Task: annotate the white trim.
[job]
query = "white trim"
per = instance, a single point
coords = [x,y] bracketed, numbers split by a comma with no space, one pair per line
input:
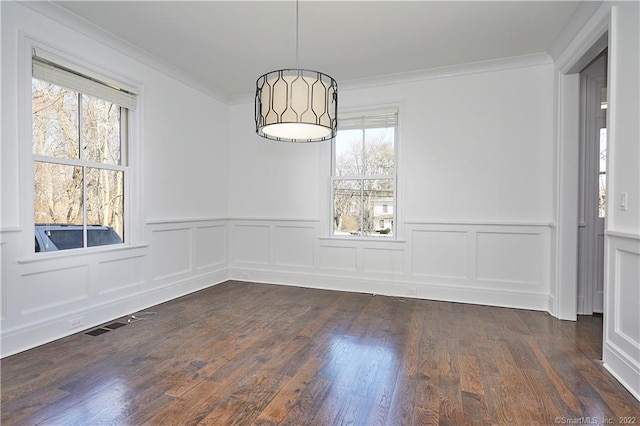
[618,234]
[584,40]
[272,219]
[374,240]
[479,67]
[79,163]
[396,287]
[618,362]
[186,220]
[80,252]
[566,197]
[564,278]
[582,14]
[11,229]
[478,223]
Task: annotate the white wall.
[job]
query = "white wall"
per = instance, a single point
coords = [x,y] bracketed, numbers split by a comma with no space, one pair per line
[270,179]
[475,193]
[180,180]
[621,351]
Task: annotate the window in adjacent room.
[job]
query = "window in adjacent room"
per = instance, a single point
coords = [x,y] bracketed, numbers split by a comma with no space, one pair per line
[80,164]
[363,178]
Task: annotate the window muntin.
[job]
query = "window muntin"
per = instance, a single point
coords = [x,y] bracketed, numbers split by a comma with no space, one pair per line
[80,168]
[364,176]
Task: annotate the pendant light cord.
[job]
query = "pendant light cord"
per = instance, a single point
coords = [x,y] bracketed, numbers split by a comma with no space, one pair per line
[297,31]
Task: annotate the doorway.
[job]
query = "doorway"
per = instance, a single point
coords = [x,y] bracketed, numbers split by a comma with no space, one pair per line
[592,186]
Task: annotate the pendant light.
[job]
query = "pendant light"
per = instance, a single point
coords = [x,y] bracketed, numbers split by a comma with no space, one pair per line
[296,105]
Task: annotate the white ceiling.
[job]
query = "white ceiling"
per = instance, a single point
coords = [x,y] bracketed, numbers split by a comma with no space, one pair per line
[227,45]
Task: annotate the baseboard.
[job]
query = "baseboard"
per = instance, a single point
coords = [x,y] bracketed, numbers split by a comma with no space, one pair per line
[551,305]
[36,334]
[622,369]
[399,288]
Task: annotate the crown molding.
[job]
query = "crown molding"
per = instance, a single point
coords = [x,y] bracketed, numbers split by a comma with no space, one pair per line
[449,71]
[75,22]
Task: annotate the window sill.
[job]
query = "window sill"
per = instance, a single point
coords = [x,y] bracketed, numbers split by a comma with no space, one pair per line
[65,254]
[362,239]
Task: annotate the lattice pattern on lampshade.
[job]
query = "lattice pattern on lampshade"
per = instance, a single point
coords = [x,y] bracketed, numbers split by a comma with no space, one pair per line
[296,105]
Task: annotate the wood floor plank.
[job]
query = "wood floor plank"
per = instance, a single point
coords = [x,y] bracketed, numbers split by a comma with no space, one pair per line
[403,401]
[287,398]
[245,353]
[470,378]
[191,407]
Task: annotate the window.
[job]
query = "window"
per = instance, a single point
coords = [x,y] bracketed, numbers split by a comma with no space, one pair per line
[80,167]
[363,180]
[602,174]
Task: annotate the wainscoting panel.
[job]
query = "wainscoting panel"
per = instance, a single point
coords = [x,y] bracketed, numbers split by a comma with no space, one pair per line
[48,289]
[250,244]
[383,260]
[294,246]
[439,253]
[514,257]
[117,275]
[171,252]
[443,261]
[338,258]
[621,349]
[210,244]
[627,318]
[52,295]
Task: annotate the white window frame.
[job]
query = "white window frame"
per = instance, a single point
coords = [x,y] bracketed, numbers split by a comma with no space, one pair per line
[397,232]
[130,152]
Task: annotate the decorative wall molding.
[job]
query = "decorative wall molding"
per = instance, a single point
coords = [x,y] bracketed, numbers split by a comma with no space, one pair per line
[621,348]
[55,296]
[480,223]
[42,292]
[625,235]
[442,261]
[173,221]
[479,67]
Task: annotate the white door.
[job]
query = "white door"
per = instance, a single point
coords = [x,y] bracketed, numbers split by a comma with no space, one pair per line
[593,169]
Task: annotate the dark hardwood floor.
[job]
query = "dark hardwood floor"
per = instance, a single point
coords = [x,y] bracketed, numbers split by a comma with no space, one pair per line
[244,353]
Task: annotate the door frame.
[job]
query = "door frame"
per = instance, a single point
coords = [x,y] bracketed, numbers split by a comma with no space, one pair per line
[592,39]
